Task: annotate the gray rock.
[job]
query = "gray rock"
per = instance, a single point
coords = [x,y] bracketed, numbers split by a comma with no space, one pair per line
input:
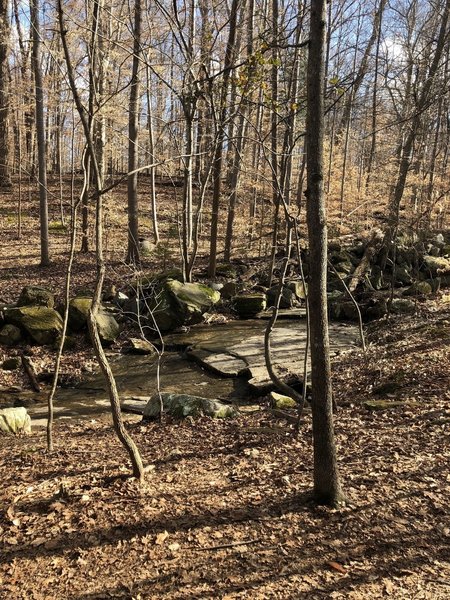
[298,288]
[139,346]
[15,420]
[41,323]
[108,327]
[181,406]
[35,295]
[403,275]
[218,361]
[175,304]
[229,290]
[10,335]
[403,306]
[288,298]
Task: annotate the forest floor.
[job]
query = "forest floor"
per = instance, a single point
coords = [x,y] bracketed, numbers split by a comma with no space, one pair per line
[224,511]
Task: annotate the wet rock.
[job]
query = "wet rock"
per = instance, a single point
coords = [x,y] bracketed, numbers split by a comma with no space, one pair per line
[41,323]
[249,305]
[11,364]
[10,335]
[15,420]
[181,406]
[35,295]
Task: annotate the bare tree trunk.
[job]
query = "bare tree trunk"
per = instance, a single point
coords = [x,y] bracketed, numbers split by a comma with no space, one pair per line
[327,487]
[5,175]
[40,131]
[151,141]
[119,426]
[218,154]
[133,129]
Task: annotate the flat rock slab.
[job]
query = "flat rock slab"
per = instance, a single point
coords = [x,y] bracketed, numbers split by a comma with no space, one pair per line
[220,362]
[246,357]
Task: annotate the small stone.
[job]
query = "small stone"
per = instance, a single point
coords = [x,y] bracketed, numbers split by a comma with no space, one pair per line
[10,335]
[139,346]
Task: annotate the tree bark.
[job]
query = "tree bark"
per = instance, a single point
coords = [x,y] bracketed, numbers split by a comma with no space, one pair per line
[327,487]
[5,175]
[133,129]
[40,131]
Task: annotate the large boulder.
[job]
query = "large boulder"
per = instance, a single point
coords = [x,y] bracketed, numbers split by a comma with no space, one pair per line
[108,327]
[15,420]
[41,323]
[181,406]
[437,265]
[174,304]
[288,298]
[10,335]
[35,295]
[78,313]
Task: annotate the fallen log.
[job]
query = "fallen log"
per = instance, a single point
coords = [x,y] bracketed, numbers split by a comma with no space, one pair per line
[373,246]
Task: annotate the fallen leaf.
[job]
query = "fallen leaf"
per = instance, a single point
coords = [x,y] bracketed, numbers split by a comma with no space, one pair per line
[161,538]
[174,547]
[337,567]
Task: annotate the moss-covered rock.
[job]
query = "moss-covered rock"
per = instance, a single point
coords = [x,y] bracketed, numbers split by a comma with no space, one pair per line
[10,335]
[281,402]
[437,265]
[249,305]
[191,300]
[419,288]
[288,298]
[41,323]
[15,420]
[181,406]
[402,306]
[35,295]
[377,405]
[226,270]
[78,313]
